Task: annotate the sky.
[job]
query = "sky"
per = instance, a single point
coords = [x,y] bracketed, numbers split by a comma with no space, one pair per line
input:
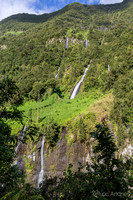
[11,7]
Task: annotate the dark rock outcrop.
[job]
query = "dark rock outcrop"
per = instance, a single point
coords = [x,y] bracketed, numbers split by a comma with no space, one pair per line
[56,160]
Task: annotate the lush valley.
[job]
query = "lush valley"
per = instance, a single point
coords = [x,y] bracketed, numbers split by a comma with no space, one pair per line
[39,71]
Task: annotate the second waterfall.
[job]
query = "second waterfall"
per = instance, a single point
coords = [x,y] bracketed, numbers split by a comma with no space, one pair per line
[40,177]
[77,87]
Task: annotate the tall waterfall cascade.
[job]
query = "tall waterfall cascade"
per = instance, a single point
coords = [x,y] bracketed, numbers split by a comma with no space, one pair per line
[66,45]
[40,177]
[108,68]
[77,87]
[57,73]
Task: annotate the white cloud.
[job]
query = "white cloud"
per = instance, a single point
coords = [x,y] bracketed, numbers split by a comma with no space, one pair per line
[90,1]
[10,7]
[110,1]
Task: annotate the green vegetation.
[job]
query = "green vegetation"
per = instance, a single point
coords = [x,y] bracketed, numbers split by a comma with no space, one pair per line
[32,48]
[11,177]
[62,110]
[51,132]
[13,33]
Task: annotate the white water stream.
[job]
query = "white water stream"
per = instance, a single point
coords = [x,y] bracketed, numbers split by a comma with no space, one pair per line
[40,177]
[76,89]
[57,73]
[127,151]
[66,45]
[108,68]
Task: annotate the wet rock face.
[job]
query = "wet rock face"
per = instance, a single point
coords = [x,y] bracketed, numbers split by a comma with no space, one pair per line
[63,155]
[21,149]
[21,164]
[56,160]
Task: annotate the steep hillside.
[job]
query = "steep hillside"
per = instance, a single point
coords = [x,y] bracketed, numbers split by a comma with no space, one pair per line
[33,48]
[46,56]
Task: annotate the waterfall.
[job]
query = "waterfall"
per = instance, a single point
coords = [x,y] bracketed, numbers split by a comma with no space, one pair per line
[34,156]
[16,149]
[76,89]
[21,138]
[88,157]
[66,45]
[40,177]
[23,133]
[57,73]
[86,43]
[127,152]
[108,68]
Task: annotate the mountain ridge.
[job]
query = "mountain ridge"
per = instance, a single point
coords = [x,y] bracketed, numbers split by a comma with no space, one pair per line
[46,16]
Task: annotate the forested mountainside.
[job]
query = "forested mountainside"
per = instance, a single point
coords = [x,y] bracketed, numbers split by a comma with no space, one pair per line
[61,74]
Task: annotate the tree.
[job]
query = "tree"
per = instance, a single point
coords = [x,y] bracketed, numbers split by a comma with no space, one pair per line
[110,175]
[8,91]
[51,131]
[123,92]
[10,176]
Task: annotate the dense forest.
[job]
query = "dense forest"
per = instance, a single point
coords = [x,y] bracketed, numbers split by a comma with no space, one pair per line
[42,59]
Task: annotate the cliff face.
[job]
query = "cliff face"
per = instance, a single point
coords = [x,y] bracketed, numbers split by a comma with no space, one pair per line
[55,161]
[68,149]
[63,155]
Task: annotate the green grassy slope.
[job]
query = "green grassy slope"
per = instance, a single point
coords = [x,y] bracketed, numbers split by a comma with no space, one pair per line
[62,110]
